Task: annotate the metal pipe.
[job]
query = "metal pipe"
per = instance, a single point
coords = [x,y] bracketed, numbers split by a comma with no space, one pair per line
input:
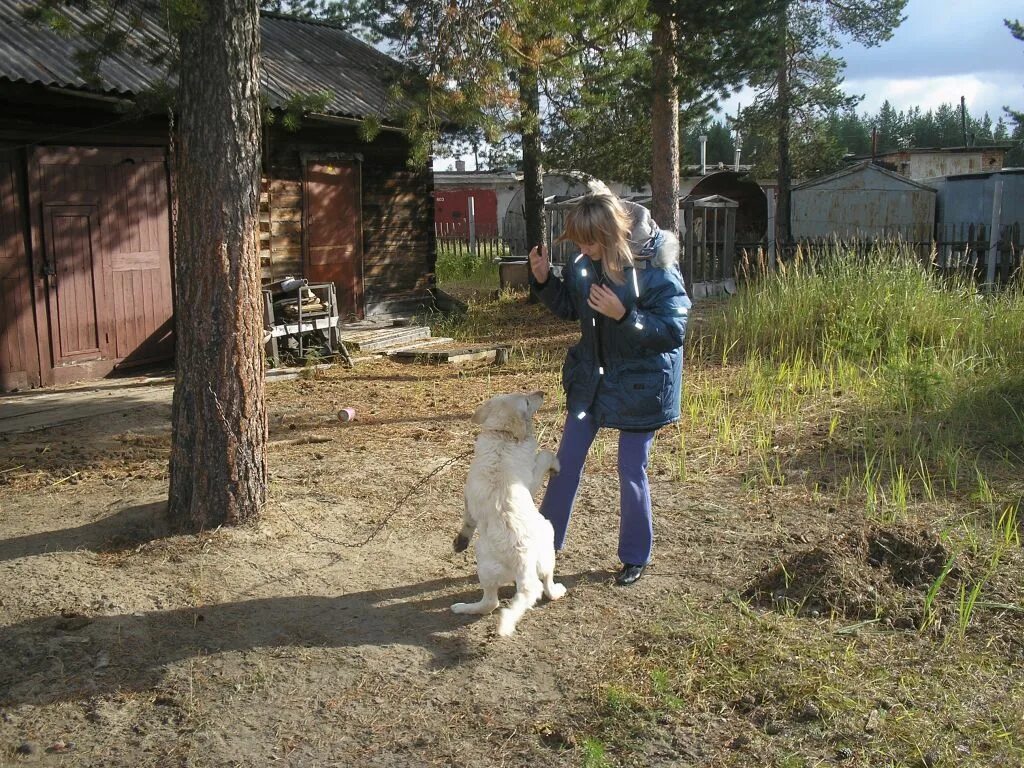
[88,95]
[338,120]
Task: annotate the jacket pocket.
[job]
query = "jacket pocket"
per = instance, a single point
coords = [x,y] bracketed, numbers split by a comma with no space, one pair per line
[643,394]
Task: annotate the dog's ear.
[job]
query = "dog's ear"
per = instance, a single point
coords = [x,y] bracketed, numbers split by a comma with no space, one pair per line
[535,400]
[480,414]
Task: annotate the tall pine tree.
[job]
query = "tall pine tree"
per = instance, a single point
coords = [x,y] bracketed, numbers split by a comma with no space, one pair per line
[218,468]
[806,81]
[716,47]
[489,63]
[624,116]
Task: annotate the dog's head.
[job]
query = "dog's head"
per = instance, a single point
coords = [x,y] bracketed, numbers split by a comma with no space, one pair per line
[510,413]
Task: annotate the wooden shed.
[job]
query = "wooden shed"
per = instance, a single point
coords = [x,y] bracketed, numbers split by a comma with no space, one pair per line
[863,201]
[86,246]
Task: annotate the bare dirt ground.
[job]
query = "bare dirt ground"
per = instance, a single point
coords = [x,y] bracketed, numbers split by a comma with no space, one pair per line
[322,635]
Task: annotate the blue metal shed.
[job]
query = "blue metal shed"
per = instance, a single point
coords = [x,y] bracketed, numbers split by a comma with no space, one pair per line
[967,199]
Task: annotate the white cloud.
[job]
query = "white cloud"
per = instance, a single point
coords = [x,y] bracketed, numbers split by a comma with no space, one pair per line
[982,91]
[944,50]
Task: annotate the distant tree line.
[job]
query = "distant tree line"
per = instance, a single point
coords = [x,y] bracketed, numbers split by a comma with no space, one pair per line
[822,146]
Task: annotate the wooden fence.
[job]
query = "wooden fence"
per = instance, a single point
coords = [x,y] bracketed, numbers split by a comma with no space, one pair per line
[955,249]
[457,240]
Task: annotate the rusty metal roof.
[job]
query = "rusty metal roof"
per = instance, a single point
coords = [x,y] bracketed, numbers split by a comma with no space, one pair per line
[299,57]
[864,166]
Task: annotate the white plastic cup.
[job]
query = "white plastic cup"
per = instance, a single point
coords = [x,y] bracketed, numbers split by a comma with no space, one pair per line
[346,414]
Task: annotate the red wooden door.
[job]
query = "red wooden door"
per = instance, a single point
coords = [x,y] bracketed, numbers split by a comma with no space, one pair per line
[19,352]
[78,315]
[101,238]
[334,233]
[138,258]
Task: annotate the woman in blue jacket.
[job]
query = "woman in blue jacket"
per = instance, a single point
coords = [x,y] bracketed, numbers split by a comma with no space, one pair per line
[625,372]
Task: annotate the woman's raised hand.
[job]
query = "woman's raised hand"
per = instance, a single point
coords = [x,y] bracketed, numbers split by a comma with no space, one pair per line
[539,264]
[603,299]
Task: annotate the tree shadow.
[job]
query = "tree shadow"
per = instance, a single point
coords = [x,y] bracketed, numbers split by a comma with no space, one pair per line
[65,658]
[125,529]
[282,425]
[41,411]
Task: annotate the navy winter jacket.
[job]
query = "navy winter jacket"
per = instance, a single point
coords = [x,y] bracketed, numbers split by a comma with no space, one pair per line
[626,374]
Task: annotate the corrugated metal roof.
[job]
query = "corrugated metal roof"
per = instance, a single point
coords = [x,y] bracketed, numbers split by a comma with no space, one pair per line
[865,166]
[32,53]
[298,58]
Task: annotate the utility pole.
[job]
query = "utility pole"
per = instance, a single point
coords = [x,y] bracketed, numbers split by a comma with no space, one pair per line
[963,120]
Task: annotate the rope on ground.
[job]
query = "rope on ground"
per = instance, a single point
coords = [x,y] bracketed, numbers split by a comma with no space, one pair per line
[387,518]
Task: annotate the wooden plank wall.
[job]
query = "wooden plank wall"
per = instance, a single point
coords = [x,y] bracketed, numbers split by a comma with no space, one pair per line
[398,232]
[397,213]
[281,224]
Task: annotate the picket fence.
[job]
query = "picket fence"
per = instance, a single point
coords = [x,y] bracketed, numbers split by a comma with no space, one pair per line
[712,257]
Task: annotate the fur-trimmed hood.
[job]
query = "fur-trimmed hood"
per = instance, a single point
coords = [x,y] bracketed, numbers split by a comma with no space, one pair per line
[647,241]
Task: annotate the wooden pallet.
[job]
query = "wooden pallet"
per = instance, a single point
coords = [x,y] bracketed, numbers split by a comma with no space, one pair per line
[379,339]
[432,341]
[456,356]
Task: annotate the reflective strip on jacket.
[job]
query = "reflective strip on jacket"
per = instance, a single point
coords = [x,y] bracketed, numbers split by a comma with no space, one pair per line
[626,374]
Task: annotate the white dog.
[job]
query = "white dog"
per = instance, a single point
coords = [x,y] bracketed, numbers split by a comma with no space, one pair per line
[516,543]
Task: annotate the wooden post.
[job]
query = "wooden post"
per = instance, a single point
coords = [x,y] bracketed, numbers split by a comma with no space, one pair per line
[993,236]
[771,230]
[688,255]
[730,245]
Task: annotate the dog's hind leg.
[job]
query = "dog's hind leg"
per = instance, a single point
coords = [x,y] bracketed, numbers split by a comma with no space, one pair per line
[487,603]
[546,572]
[528,592]
[552,590]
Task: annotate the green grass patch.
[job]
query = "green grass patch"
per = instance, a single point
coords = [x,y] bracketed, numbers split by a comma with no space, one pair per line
[870,388]
[776,689]
[881,310]
[462,271]
[868,373]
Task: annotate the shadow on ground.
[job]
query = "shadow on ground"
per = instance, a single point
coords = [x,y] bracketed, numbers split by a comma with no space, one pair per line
[65,658]
[120,531]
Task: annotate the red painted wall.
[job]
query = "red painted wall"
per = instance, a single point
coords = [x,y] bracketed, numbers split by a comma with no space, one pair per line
[451,211]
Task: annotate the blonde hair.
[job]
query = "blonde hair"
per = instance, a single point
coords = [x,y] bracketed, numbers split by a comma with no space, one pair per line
[600,219]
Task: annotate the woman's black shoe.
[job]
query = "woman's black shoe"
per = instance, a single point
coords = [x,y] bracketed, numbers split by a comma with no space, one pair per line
[629,574]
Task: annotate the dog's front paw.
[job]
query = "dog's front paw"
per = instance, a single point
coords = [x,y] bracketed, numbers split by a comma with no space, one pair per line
[461,542]
[462,607]
[551,460]
[557,591]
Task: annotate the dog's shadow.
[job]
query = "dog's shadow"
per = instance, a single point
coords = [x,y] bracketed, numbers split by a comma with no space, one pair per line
[62,658]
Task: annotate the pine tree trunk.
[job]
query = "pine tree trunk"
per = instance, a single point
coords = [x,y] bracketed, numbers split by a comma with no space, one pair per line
[218,472]
[665,122]
[783,232]
[533,171]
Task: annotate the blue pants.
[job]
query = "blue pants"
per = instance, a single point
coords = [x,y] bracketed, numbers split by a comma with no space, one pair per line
[636,528]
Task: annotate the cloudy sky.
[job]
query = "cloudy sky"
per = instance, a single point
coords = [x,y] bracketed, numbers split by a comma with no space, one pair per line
[944,50]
